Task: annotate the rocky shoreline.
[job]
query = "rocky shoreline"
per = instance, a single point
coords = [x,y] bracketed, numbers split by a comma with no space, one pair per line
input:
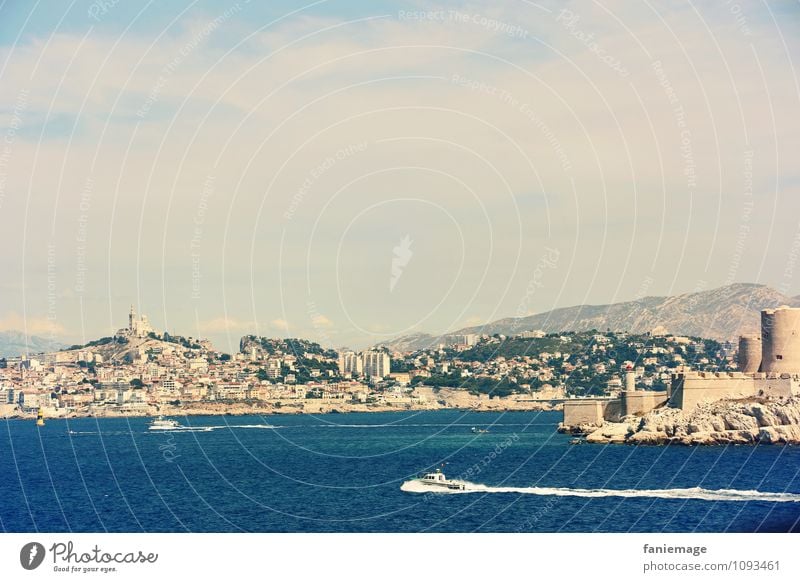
[748,421]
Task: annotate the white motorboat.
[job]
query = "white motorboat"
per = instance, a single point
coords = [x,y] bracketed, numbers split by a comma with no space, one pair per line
[162,423]
[436,479]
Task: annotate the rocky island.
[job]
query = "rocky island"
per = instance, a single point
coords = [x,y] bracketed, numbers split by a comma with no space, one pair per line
[726,422]
[758,403]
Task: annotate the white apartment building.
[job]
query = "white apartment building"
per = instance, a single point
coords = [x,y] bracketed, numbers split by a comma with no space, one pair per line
[377,364]
[461,339]
[351,363]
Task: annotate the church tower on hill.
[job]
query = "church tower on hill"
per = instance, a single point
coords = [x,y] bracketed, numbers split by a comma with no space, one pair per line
[137,327]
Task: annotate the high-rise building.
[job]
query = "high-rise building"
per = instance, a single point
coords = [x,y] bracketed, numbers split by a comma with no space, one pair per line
[461,339]
[350,363]
[377,364]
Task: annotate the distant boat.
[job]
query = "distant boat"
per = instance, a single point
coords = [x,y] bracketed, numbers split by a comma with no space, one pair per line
[162,423]
[40,418]
[479,430]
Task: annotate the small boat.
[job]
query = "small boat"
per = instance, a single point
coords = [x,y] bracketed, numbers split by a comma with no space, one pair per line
[40,418]
[162,423]
[479,430]
[576,441]
[436,479]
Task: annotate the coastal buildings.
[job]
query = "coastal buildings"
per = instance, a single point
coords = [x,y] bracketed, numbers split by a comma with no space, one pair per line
[463,340]
[532,334]
[128,374]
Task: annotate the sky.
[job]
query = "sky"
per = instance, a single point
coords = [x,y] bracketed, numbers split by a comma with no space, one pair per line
[349,172]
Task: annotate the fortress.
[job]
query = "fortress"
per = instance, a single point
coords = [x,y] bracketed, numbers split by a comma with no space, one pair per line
[769,367]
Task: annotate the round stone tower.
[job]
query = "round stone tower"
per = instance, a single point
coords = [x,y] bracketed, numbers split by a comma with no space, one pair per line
[749,353]
[630,379]
[780,333]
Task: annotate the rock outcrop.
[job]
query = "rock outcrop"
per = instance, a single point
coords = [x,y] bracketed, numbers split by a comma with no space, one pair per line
[747,422]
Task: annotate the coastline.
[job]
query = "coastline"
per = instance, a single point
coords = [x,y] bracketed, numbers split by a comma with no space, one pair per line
[745,421]
[309,406]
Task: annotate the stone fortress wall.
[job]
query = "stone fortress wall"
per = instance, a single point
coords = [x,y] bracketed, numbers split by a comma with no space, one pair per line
[769,367]
[690,388]
[585,411]
[641,401]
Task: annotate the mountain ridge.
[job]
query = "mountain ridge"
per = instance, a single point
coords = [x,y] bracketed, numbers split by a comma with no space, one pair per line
[16,343]
[721,313]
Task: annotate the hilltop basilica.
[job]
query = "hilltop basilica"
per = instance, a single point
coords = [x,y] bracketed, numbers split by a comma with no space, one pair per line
[136,327]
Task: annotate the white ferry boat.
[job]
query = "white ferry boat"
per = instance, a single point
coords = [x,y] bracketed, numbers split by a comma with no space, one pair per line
[436,479]
[162,423]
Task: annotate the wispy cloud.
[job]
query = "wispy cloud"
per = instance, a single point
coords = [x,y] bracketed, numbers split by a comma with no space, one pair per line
[321,321]
[32,325]
[221,325]
[280,324]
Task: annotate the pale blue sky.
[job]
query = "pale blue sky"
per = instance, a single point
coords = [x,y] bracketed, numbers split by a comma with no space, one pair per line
[238,168]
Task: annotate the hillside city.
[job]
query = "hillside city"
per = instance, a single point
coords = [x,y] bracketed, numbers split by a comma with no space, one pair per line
[140,371]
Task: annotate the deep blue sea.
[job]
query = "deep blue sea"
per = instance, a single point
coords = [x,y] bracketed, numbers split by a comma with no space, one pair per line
[343,473]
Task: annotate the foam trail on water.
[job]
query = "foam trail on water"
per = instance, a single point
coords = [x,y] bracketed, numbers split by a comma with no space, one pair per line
[448,424]
[247,426]
[414,486]
[199,428]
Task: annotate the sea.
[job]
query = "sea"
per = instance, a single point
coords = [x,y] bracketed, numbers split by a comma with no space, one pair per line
[354,472]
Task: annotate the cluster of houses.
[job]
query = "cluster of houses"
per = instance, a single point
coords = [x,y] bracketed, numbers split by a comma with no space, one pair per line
[139,369]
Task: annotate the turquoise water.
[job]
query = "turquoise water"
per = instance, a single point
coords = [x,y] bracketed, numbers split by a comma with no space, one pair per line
[344,472]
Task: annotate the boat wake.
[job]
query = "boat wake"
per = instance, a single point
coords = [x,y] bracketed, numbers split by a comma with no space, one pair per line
[414,486]
[439,424]
[178,429]
[264,426]
[218,427]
